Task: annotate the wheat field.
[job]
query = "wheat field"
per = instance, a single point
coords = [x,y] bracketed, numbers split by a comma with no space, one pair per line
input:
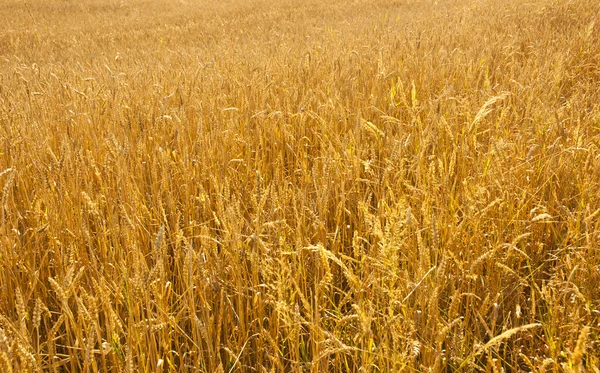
[299,186]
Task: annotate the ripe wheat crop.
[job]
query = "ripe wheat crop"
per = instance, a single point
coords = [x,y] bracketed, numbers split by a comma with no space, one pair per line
[299,186]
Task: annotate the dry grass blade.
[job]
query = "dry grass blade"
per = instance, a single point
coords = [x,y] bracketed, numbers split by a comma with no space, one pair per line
[497,340]
[486,109]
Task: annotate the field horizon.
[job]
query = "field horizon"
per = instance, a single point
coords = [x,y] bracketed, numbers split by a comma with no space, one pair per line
[299,186]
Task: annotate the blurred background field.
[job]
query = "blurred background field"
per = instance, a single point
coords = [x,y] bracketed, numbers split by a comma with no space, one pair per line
[299,186]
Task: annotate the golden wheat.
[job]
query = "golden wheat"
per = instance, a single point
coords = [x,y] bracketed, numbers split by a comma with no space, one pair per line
[298,185]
